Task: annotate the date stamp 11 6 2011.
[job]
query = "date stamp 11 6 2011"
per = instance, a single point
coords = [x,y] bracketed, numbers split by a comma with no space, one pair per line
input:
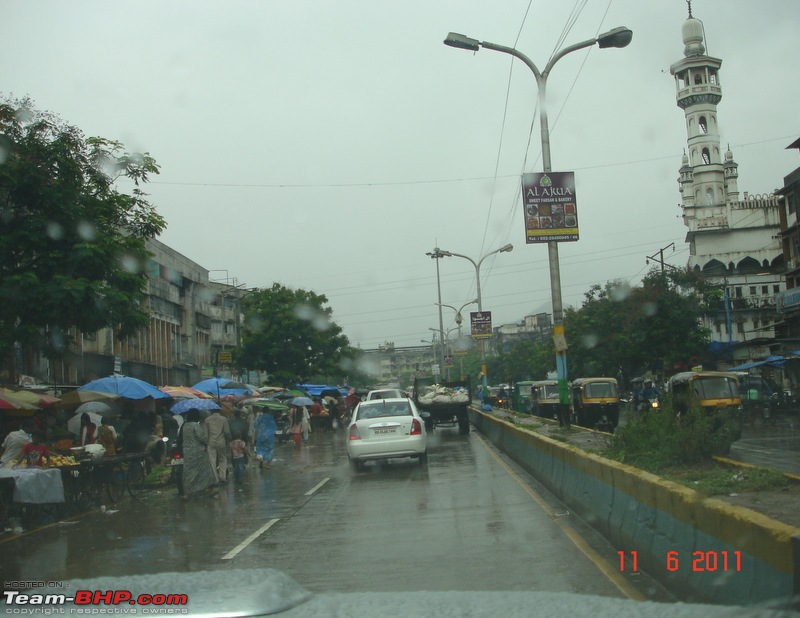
[698,562]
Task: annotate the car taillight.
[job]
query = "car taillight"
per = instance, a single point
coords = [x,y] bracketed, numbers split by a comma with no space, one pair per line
[354,435]
[416,427]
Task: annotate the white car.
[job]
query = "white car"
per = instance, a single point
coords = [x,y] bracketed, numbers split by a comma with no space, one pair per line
[385,393]
[386,429]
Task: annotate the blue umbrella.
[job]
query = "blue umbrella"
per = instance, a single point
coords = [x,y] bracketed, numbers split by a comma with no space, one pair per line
[124,386]
[302,401]
[219,387]
[185,405]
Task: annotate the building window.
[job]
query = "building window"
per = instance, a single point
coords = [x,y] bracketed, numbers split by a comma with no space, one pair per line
[776,289]
[702,124]
[740,327]
[752,290]
[765,289]
[738,292]
[706,156]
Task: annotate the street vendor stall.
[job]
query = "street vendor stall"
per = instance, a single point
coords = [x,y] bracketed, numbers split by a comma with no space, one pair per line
[34,485]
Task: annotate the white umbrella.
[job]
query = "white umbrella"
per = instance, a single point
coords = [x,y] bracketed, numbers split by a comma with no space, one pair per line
[97,407]
[74,424]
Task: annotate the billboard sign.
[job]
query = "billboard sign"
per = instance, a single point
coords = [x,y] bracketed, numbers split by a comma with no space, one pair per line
[549,207]
[480,324]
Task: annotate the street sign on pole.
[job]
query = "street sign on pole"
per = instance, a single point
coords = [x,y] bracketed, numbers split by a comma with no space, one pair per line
[225,358]
[480,324]
[550,208]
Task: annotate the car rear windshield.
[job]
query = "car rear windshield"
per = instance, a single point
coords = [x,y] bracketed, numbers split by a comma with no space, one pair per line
[384,408]
[384,395]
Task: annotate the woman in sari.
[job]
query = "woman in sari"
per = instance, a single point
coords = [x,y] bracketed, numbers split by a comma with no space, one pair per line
[265,427]
[197,471]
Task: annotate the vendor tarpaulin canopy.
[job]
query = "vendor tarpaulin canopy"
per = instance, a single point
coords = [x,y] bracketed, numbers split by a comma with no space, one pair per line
[774,361]
[263,402]
[75,398]
[7,402]
[37,399]
[124,386]
[219,387]
[184,392]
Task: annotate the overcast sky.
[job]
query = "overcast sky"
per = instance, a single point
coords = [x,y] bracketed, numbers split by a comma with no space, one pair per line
[328,145]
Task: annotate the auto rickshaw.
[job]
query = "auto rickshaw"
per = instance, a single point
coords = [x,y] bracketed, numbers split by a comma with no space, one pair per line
[716,392]
[545,399]
[595,403]
[521,398]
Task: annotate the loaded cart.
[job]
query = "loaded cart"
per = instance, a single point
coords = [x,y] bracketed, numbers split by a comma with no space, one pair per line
[443,403]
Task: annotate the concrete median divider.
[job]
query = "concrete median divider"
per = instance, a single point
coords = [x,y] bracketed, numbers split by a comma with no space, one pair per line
[700,548]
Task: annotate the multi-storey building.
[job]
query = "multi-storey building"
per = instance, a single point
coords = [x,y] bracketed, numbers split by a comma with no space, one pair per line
[193,322]
[788,301]
[388,364]
[536,327]
[733,241]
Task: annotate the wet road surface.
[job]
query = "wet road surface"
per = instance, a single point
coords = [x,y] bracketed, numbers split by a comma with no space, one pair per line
[772,445]
[470,520]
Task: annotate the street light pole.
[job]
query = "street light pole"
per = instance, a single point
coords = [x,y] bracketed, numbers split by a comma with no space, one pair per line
[437,254]
[459,319]
[618,37]
[477,265]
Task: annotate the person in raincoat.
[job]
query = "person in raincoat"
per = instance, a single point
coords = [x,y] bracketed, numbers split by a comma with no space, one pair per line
[197,471]
[265,428]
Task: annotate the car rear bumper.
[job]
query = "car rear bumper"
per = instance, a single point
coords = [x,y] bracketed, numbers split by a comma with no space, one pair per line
[410,447]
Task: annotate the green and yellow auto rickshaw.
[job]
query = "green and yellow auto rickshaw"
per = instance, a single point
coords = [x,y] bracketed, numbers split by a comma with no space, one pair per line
[595,403]
[545,399]
[521,397]
[715,392]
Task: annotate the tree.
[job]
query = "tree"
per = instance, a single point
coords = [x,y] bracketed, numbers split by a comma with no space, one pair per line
[289,334]
[72,246]
[631,329]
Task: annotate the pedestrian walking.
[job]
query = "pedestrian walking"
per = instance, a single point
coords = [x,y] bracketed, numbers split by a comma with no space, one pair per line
[238,456]
[218,434]
[197,471]
[265,428]
[305,422]
[296,424]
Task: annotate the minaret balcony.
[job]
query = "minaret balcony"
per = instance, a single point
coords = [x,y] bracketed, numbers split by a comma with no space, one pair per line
[699,94]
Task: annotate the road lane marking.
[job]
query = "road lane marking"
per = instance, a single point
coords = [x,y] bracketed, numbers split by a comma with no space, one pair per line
[317,486]
[624,586]
[232,554]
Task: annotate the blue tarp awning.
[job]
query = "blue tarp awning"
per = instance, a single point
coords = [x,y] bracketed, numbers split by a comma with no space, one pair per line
[775,361]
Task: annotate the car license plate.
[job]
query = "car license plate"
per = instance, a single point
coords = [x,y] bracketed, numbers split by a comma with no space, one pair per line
[279,432]
[385,431]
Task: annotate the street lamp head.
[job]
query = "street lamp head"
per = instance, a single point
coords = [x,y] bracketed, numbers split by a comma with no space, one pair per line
[506,248]
[618,37]
[454,39]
